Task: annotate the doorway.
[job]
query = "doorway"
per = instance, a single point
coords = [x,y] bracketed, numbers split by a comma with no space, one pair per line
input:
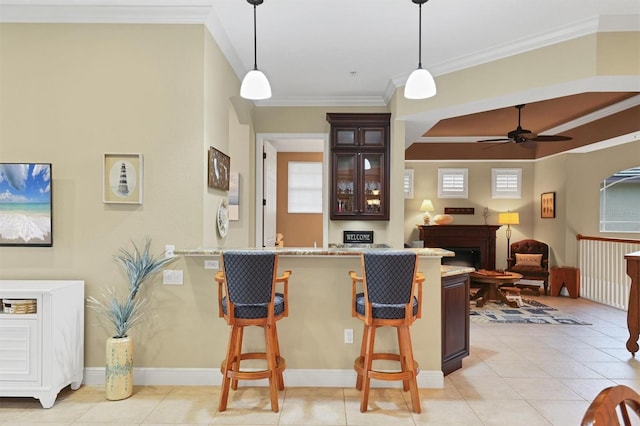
[266,181]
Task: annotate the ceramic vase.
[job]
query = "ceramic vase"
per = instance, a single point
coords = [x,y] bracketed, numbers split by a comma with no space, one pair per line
[119,368]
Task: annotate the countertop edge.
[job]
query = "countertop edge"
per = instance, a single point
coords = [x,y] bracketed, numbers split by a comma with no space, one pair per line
[320,252]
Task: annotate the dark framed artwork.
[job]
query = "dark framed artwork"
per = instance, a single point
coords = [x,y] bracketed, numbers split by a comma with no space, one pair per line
[26,215]
[218,170]
[548,205]
[122,179]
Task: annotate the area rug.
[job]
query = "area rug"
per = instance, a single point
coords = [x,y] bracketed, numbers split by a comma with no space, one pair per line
[531,312]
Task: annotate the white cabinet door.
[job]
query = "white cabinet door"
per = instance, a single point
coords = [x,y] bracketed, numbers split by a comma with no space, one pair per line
[19,349]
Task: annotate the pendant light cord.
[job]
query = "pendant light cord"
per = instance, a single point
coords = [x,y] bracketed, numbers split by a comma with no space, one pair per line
[420,35]
[255,40]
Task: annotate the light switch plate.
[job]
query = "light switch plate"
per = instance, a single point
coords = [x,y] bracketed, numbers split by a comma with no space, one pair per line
[172,277]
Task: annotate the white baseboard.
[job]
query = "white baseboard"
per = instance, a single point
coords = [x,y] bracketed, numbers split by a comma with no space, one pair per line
[293,378]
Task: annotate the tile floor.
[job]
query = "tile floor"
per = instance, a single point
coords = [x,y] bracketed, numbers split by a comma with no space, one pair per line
[515,375]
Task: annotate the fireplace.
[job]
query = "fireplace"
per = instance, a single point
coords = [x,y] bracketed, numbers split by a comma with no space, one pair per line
[464,239]
[465,256]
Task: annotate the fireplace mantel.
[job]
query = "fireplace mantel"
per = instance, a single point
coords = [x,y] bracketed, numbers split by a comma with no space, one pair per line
[454,236]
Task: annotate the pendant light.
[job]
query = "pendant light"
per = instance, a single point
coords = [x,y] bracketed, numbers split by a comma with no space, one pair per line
[255,85]
[420,84]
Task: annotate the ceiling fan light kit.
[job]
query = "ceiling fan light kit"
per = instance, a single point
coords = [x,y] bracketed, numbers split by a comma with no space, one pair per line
[526,137]
[420,84]
[255,85]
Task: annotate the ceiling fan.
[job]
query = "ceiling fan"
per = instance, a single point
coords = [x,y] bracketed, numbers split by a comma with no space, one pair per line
[527,137]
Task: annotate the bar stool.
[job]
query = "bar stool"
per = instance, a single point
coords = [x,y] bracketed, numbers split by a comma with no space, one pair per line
[391,296]
[247,297]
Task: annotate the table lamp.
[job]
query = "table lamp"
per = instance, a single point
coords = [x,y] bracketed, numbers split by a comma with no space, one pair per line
[509,218]
[426,207]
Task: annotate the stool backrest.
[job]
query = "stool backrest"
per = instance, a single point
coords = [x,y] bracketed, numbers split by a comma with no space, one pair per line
[389,276]
[250,276]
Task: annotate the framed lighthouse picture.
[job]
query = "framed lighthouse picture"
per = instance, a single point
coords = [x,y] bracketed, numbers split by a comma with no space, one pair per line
[122,179]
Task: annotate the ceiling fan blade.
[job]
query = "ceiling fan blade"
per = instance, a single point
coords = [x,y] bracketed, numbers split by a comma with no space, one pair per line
[496,140]
[551,138]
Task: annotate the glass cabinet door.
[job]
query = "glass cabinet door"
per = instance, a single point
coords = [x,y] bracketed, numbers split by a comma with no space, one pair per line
[373,198]
[345,184]
[372,137]
[345,137]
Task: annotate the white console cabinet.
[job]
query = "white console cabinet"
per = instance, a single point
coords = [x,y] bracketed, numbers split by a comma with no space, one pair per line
[42,352]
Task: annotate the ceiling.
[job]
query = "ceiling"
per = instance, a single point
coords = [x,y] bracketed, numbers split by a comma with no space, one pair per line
[358,52]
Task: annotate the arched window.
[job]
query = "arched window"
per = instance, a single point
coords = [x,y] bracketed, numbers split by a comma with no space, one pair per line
[620,202]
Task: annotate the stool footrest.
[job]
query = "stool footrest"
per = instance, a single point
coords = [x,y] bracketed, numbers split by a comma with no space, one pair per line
[257,374]
[358,365]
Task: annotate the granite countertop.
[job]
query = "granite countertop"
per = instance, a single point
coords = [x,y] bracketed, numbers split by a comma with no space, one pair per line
[450,270]
[310,251]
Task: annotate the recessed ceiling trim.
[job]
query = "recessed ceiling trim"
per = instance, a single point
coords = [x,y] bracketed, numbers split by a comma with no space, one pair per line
[596,115]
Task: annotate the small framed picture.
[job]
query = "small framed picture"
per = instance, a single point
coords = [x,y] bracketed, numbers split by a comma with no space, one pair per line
[122,179]
[219,169]
[548,205]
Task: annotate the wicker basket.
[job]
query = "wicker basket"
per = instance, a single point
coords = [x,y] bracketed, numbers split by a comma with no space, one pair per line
[19,306]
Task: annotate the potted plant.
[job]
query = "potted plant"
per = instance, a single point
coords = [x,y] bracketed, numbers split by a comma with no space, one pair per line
[123,313]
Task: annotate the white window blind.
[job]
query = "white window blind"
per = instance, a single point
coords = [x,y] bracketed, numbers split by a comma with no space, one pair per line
[305,187]
[408,183]
[506,183]
[453,183]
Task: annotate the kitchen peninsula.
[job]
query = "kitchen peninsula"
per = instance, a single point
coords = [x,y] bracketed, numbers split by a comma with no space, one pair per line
[312,337]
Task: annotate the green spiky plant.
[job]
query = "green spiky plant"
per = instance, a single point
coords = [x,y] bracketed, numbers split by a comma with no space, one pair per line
[139,266]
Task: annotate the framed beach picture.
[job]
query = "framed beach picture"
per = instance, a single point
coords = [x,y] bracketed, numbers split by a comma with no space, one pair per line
[122,179]
[25,204]
[219,169]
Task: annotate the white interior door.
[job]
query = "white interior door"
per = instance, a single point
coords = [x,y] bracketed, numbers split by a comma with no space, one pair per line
[270,165]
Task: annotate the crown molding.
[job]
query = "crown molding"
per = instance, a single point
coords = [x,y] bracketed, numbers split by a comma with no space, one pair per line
[98,12]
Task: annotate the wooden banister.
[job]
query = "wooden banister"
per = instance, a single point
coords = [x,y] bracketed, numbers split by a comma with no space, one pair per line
[613,240]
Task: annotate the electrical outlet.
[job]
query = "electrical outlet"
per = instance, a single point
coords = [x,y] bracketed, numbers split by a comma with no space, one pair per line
[348,335]
[172,277]
[168,250]
[212,264]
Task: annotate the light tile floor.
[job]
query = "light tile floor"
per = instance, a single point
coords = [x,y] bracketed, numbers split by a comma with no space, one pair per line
[516,374]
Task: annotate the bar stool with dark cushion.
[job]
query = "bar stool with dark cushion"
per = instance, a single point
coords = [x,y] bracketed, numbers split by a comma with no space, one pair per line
[391,296]
[247,297]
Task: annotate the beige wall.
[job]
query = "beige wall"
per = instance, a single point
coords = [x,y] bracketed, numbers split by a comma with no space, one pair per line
[299,229]
[68,94]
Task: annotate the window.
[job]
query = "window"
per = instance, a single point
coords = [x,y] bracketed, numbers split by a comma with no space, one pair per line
[506,183]
[305,187]
[620,202]
[452,183]
[408,183]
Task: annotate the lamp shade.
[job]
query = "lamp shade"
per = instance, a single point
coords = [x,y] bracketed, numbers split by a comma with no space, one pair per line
[255,86]
[420,85]
[509,218]
[426,206]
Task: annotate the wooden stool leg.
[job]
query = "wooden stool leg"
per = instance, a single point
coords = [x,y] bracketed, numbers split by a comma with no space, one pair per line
[404,366]
[228,365]
[238,351]
[367,364]
[363,349]
[277,351]
[271,361]
[407,352]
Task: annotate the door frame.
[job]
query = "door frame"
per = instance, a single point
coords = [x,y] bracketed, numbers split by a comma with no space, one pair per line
[274,138]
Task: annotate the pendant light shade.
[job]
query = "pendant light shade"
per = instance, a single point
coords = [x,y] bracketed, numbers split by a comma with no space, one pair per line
[420,84]
[255,85]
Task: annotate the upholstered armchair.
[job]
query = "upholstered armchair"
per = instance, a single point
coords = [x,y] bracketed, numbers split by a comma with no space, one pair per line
[530,258]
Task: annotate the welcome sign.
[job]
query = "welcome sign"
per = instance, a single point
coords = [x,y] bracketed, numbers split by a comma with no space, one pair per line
[357,237]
